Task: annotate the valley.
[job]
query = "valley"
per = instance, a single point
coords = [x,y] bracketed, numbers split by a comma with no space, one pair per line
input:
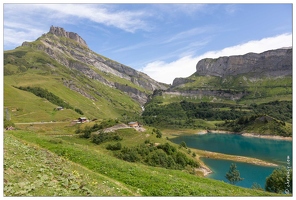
[52,83]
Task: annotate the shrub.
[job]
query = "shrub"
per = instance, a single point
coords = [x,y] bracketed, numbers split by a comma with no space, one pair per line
[114,147]
[163,155]
[279,181]
[104,137]
[78,111]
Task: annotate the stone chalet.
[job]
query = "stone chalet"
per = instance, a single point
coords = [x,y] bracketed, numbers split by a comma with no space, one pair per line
[133,124]
[82,119]
[59,108]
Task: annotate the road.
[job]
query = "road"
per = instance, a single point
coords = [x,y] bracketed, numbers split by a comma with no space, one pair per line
[51,122]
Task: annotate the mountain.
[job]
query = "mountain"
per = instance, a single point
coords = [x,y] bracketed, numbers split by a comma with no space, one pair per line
[62,63]
[229,88]
[241,77]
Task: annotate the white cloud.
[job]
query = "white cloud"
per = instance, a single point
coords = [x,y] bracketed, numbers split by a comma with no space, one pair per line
[185,66]
[129,21]
[26,22]
[16,33]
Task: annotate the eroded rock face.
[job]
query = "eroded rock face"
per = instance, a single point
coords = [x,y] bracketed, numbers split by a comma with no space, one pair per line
[136,94]
[180,81]
[58,31]
[270,63]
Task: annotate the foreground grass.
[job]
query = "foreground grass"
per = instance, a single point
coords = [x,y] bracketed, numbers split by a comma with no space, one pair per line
[90,160]
[33,171]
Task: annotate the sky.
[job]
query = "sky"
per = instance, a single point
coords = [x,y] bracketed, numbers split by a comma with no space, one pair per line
[163,40]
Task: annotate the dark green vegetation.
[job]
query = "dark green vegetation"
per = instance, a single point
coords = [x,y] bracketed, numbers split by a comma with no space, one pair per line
[163,155]
[280,181]
[233,175]
[272,118]
[261,124]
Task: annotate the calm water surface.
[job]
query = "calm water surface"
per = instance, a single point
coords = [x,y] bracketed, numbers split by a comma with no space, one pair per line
[275,151]
[250,173]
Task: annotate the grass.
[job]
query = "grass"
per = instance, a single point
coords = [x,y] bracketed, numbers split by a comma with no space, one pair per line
[112,104]
[260,90]
[26,66]
[33,171]
[90,159]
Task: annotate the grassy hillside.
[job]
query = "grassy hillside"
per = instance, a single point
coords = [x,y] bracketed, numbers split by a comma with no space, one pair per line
[73,166]
[25,66]
[258,90]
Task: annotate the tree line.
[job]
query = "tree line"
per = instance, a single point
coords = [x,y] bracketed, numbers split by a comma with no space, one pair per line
[52,98]
[183,114]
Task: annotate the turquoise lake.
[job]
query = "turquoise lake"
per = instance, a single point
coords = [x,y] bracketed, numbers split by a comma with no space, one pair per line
[275,151]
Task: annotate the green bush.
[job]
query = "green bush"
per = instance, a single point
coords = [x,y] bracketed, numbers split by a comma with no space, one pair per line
[104,137]
[114,147]
[78,111]
[8,123]
[280,181]
[164,155]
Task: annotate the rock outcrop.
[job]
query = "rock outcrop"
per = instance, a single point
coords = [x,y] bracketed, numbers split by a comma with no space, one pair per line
[180,81]
[58,31]
[270,63]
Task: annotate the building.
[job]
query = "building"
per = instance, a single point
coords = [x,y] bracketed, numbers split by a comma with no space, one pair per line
[133,124]
[10,128]
[82,119]
[59,108]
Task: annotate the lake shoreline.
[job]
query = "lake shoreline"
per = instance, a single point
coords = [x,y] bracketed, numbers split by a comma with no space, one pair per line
[245,134]
[220,156]
[257,135]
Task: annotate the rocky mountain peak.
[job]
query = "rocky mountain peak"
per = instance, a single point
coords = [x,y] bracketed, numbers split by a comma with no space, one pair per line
[58,31]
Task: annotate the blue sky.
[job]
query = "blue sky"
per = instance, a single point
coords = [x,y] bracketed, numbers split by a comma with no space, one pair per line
[162,40]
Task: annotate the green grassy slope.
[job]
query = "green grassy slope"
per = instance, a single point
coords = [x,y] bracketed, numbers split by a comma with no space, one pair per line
[25,66]
[85,158]
[33,171]
[260,90]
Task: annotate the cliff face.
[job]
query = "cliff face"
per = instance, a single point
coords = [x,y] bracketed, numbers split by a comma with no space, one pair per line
[270,63]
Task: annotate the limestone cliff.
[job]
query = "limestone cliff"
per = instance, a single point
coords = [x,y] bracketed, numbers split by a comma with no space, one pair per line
[270,63]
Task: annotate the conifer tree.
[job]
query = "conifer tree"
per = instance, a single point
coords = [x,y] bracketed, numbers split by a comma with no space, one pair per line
[233,175]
